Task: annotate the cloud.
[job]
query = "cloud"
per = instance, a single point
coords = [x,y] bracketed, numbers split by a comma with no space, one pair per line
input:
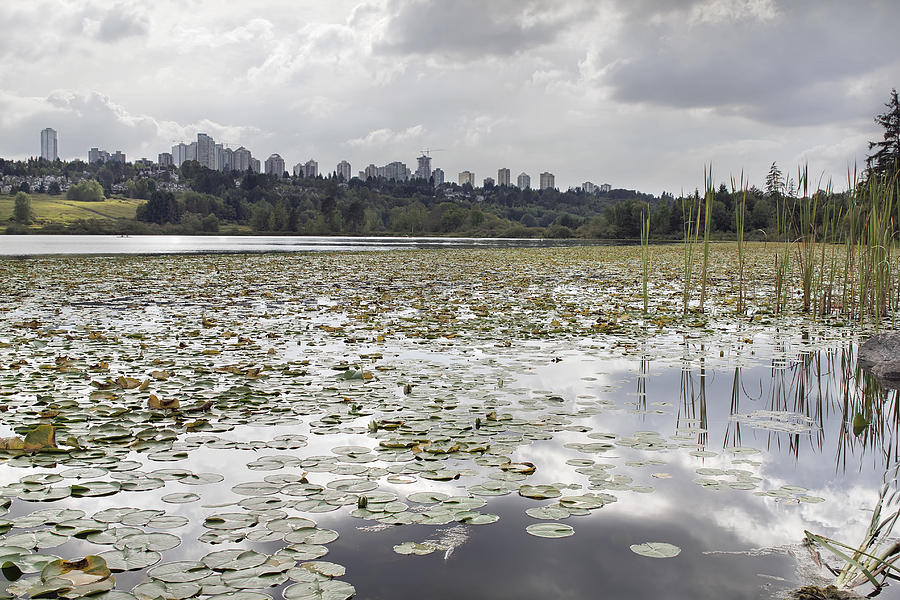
[118,24]
[470,29]
[386,136]
[746,58]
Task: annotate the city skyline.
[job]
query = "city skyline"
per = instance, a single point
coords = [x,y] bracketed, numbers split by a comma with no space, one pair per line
[607,90]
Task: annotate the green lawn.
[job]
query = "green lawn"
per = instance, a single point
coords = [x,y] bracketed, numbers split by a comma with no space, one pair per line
[56,209]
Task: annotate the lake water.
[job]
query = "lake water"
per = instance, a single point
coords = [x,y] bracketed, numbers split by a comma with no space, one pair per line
[429,383]
[31,245]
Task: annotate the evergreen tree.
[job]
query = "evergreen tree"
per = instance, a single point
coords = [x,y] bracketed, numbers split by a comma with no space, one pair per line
[886,158]
[22,209]
[774,183]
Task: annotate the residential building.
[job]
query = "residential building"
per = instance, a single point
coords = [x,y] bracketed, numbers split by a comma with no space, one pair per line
[467,177]
[371,171]
[206,151]
[179,154]
[605,188]
[523,181]
[503,177]
[311,168]
[117,156]
[589,188]
[343,171]
[395,171]
[275,165]
[191,153]
[548,181]
[240,159]
[254,165]
[49,146]
[423,170]
[165,159]
[438,176]
[96,154]
[488,182]
[227,160]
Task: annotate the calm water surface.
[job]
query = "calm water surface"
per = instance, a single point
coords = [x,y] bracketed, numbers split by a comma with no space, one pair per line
[29,245]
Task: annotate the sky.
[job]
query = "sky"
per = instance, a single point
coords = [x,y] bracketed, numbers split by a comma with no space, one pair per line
[640,94]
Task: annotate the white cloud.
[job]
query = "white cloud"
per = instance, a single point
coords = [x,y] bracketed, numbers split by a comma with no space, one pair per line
[383,137]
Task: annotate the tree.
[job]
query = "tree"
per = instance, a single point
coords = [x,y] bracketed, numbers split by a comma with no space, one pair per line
[886,158]
[22,208]
[88,190]
[774,183]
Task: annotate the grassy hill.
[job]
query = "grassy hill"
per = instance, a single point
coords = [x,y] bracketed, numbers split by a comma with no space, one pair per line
[57,210]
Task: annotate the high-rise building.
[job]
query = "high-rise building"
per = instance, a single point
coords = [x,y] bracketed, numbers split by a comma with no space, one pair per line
[423,170]
[467,177]
[254,165]
[206,151]
[523,181]
[191,153]
[96,154]
[371,171]
[240,160]
[438,175]
[589,188]
[343,171]
[311,168]
[503,177]
[275,165]
[605,188]
[117,156]
[395,171]
[165,159]
[227,160]
[548,181]
[49,147]
[179,154]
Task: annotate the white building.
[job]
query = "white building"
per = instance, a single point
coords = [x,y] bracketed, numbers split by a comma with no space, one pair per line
[206,151]
[548,181]
[343,171]
[240,159]
[371,171]
[96,154]
[179,154]
[523,181]
[590,188]
[423,170]
[254,165]
[467,177]
[164,159]
[275,165]
[191,153]
[438,175]
[503,177]
[605,188]
[49,146]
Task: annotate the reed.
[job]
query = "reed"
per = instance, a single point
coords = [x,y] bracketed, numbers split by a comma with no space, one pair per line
[690,211]
[645,253]
[709,195]
[740,211]
[873,558]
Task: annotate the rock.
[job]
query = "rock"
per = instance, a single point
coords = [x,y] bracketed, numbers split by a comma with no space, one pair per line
[879,348]
[813,592]
[889,369]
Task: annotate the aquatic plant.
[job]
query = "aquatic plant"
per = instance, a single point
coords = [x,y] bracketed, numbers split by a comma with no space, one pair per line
[873,558]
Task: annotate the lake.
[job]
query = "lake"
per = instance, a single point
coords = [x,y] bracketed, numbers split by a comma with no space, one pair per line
[462,421]
[31,245]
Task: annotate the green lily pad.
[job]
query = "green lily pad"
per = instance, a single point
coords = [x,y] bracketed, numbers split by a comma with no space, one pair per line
[550,530]
[656,549]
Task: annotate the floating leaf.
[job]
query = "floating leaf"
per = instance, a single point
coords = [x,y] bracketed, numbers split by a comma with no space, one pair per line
[550,530]
[656,549]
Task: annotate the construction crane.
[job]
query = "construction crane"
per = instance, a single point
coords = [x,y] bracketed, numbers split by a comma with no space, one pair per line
[428,151]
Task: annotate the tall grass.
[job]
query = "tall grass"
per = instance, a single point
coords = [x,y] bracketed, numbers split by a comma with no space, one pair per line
[645,253]
[740,212]
[709,195]
[873,558]
[690,212]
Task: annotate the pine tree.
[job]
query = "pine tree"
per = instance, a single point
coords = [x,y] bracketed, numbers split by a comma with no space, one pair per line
[774,184]
[886,158]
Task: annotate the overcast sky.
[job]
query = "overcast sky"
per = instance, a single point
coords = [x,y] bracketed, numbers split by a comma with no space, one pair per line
[635,93]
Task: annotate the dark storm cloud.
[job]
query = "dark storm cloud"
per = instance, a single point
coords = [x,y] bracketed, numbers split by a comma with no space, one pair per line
[468,29]
[791,67]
